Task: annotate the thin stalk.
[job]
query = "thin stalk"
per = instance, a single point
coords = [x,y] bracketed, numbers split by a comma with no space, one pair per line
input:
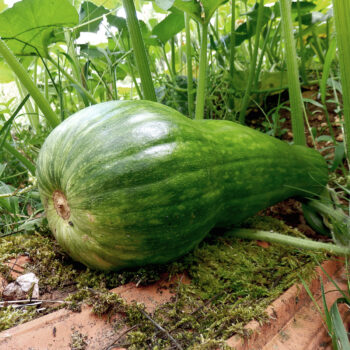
[36,108]
[233,38]
[27,106]
[19,156]
[296,102]
[46,85]
[180,53]
[74,81]
[139,51]
[219,57]
[173,55]
[342,24]
[200,98]
[168,63]
[68,35]
[318,47]
[301,44]
[190,99]
[28,83]
[274,237]
[261,58]
[113,71]
[253,61]
[60,94]
[250,47]
[274,43]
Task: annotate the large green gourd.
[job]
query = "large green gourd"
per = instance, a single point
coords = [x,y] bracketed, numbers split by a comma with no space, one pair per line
[129,183]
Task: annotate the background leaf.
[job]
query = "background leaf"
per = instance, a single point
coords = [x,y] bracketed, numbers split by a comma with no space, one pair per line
[170,26]
[88,12]
[33,21]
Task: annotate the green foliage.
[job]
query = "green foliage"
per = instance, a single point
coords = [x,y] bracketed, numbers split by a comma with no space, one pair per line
[169,26]
[30,25]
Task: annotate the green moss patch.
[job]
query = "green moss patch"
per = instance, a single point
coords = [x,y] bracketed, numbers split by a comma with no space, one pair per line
[232,282]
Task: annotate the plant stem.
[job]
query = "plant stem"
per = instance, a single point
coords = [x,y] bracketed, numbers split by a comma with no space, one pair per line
[26,162]
[190,99]
[301,43]
[342,24]
[296,102]
[202,74]
[68,35]
[274,237]
[252,63]
[233,38]
[27,82]
[28,106]
[261,59]
[36,109]
[173,56]
[139,51]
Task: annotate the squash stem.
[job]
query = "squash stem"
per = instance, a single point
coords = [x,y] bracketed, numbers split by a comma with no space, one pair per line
[274,237]
[139,51]
[28,83]
[200,98]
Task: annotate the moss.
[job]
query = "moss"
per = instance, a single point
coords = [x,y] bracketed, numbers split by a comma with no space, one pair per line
[78,341]
[232,282]
[10,316]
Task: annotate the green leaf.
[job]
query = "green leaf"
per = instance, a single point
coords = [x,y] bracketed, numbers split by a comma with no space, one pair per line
[118,22]
[88,12]
[201,11]
[3,6]
[31,225]
[339,154]
[169,27]
[9,203]
[326,69]
[6,74]
[247,29]
[32,22]
[165,4]
[324,138]
[313,18]
[109,4]
[91,52]
[2,168]
[305,7]
[339,329]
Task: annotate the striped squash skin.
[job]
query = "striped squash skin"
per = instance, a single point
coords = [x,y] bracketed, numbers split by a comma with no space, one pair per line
[143,184]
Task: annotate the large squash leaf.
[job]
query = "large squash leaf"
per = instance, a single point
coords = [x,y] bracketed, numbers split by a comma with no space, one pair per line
[30,24]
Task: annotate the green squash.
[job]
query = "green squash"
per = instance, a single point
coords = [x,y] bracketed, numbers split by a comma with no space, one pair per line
[129,183]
